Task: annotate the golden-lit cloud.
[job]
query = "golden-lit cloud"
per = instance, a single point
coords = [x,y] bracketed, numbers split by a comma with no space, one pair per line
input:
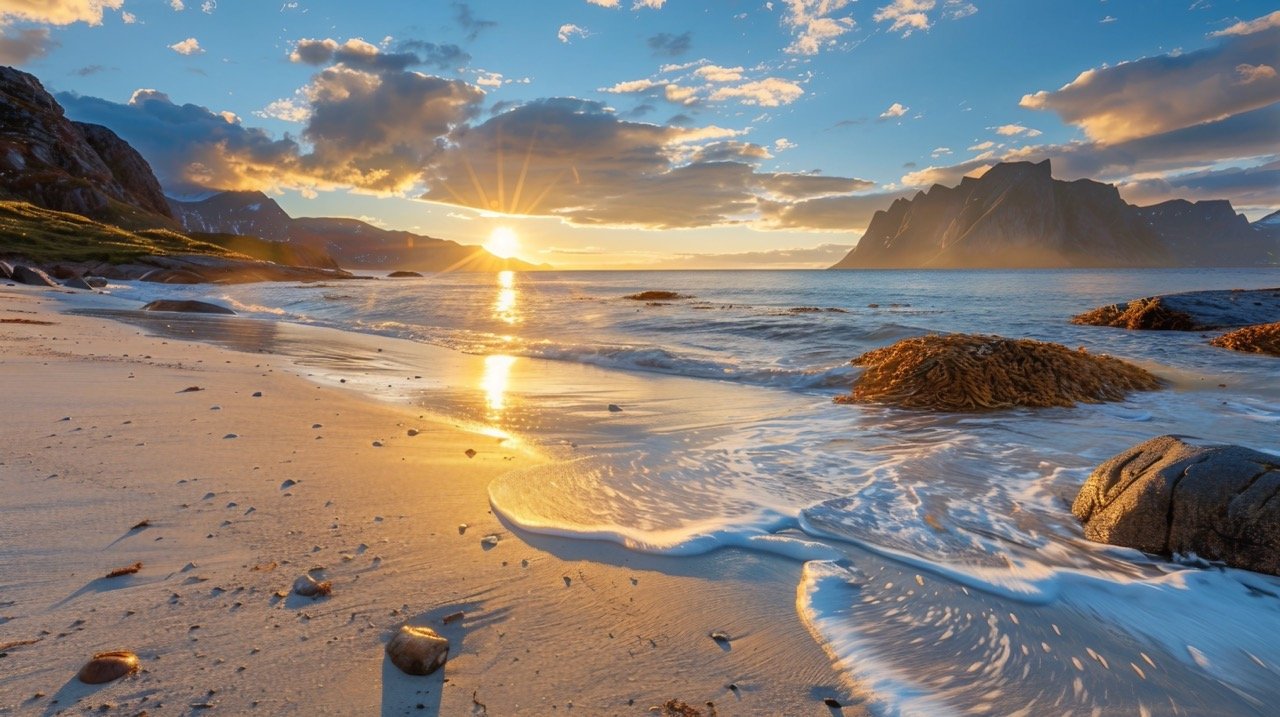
[815,24]
[1162,93]
[769,92]
[906,16]
[189,46]
[56,12]
[1249,27]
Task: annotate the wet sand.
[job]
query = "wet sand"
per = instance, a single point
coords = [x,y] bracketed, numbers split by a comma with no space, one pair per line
[550,625]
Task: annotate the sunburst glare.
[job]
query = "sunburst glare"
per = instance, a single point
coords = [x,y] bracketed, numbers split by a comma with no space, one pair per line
[503,242]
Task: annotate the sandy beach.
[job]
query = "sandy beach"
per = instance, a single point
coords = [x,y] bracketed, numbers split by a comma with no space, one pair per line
[262,475]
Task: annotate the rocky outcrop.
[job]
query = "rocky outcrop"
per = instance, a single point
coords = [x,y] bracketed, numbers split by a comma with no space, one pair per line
[55,163]
[960,372]
[1261,339]
[31,276]
[1190,311]
[249,213]
[201,269]
[1015,215]
[1168,497]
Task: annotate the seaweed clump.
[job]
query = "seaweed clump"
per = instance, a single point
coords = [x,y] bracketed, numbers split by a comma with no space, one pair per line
[1259,339]
[961,372]
[1150,314]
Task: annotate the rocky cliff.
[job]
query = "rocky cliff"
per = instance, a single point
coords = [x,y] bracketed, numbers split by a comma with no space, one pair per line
[1015,215]
[52,162]
[1018,216]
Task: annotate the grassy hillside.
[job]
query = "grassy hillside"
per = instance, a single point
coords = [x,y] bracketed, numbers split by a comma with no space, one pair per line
[44,235]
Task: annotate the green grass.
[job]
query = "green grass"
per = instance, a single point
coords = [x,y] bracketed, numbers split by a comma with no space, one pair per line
[44,235]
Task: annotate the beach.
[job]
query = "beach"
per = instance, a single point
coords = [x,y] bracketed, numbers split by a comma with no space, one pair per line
[100,435]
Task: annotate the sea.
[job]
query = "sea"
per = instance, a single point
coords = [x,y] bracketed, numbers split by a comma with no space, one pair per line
[937,558]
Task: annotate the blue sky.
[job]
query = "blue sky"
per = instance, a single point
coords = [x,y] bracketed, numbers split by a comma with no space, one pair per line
[760,133]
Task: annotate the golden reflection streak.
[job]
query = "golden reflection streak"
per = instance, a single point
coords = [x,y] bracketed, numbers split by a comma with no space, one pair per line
[504,308]
[497,375]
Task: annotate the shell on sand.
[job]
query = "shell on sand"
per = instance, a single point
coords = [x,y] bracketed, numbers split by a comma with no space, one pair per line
[308,586]
[108,666]
[959,372]
[418,650]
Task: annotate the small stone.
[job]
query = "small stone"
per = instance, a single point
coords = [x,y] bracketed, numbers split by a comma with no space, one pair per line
[257,394]
[453,617]
[489,541]
[377,444]
[470,453]
[721,637]
[412,432]
[832,702]
[308,586]
[418,650]
[615,408]
[230,435]
[462,528]
[108,666]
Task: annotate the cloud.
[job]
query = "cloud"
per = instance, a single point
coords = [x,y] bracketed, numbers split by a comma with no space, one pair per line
[177,5]
[896,109]
[467,20]
[959,9]
[982,146]
[360,55]
[1257,186]
[1266,22]
[1012,130]
[568,31]
[769,92]
[669,45]
[20,46]
[89,70]
[782,144]
[940,152]
[1166,92]
[209,6]
[189,46]
[1254,73]
[56,12]
[818,257]
[603,3]
[716,73]
[285,110]
[128,18]
[813,26]
[906,16]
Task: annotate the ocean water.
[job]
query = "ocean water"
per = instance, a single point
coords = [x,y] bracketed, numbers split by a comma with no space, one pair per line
[940,563]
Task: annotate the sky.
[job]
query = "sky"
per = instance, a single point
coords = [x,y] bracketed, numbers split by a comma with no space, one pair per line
[664,133]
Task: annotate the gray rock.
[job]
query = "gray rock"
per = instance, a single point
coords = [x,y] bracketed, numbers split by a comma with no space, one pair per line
[6,271]
[404,275]
[32,277]
[418,650]
[76,282]
[96,282]
[1166,496]
[187,306]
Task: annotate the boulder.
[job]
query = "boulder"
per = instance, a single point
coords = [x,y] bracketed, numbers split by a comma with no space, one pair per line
[96,282]
[1169,497]
[404,275]
[6,271]
[32,277]
[76,282]
[657,296]
[187,306]
[1190,311]
[172,276]
[418,650]
[961,372]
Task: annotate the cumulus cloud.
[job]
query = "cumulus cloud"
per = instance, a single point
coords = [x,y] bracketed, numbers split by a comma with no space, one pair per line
[814,24]
[568,31]
[669,45]
[56,12]
[286,110]
[716,73]
[19,46]
[1013,130]
[769,92]
[897,109]
[1166,92]
[360,55]
[906,16]
[189,46]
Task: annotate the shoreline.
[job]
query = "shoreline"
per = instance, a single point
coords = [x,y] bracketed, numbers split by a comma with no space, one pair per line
[383,521]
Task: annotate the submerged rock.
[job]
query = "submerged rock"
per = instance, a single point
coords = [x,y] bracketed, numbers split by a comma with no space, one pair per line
[76,282]
[108,666]
[1261,339]
[187,306]
[1168,497]
[657,296]
[961,372]
[1191,311]
[418,650]
[404,275]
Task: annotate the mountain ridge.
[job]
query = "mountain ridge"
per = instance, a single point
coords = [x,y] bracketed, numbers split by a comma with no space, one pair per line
[1017,215]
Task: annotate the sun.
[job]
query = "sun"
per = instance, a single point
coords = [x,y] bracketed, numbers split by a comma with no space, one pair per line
[502,242]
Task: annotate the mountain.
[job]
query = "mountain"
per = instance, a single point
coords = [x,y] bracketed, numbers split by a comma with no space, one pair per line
[353,243]
[85,169]
[1271,222]
[1018,216]
[1210,233]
